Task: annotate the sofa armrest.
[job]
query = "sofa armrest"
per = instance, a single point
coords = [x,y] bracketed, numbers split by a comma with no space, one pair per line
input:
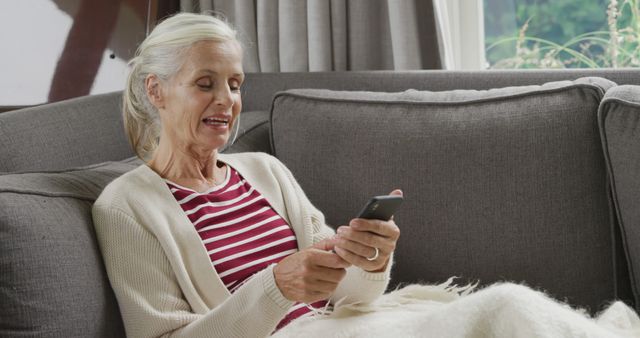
[619,120]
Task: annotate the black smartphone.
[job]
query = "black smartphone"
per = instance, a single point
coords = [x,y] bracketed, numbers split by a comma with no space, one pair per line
[381,207]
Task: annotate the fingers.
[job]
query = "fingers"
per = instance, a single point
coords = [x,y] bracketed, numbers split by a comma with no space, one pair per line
[360,261]
[363,250]
[327,259]
[397,192]
[363,240]
[328,275]
[385,229]
[310,274]
[325,244]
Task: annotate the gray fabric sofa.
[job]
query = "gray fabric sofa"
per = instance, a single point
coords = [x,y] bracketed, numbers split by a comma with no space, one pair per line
[528,182]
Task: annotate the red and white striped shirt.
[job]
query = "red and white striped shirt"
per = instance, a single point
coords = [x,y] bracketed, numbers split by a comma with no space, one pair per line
[241,232]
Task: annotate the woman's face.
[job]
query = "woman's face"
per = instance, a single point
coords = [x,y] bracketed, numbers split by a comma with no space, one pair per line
[202,101]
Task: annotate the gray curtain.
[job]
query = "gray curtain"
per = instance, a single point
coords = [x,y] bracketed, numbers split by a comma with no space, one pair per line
[325,35]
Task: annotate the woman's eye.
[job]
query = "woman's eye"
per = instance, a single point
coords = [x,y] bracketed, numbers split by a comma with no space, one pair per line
[204,84]
[235,87]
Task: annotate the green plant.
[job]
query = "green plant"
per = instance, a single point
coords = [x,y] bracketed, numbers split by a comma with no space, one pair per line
[619,46]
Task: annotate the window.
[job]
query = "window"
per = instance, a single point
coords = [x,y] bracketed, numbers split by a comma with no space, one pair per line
[562,33]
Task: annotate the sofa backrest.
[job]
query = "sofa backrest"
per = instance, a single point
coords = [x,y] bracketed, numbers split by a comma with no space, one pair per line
[89,130]
[259,88]
[76,132]
[505,184]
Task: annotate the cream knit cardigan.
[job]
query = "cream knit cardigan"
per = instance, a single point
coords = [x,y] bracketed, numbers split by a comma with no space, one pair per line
[161,272]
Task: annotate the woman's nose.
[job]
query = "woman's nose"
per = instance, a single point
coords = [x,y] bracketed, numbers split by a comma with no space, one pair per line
[223,97]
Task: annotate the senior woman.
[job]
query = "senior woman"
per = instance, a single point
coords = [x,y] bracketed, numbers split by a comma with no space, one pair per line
[201,244]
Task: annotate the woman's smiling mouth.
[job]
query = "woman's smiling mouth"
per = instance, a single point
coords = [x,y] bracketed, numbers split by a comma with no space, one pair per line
[216,122]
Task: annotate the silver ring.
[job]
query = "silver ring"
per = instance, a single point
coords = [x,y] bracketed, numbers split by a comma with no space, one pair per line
[375,256]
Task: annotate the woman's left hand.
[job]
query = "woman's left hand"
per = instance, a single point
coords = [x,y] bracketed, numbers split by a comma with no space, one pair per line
[368,243]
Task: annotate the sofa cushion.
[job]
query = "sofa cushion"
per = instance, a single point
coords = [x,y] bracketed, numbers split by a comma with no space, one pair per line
[503,184]
[620,126]
[53,281]
[71,133]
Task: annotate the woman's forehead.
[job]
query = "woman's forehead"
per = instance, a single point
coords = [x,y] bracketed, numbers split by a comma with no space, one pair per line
[214,57]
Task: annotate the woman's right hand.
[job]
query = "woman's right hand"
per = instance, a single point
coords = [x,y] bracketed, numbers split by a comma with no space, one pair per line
[311,274]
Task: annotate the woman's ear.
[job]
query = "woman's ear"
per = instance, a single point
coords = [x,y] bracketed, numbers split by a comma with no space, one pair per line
[154,91]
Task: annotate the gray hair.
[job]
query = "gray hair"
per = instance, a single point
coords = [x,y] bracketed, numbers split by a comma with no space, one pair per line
[162,53]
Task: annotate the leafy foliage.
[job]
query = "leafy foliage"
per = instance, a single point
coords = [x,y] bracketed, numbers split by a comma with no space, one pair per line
[562,33]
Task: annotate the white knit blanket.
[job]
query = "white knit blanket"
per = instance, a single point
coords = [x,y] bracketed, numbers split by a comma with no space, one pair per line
[501,310]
